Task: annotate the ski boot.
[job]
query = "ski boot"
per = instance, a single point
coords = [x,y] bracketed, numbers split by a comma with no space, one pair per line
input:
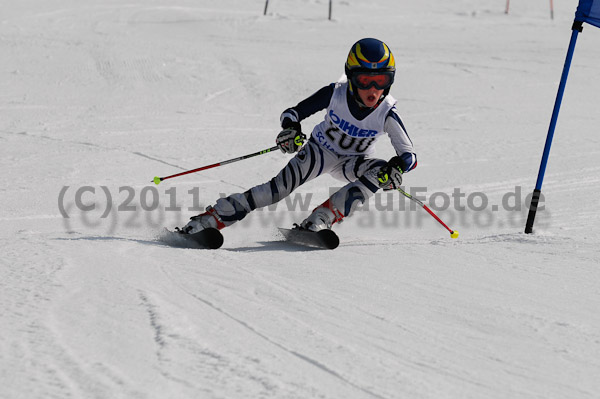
[206,220]
[322,217]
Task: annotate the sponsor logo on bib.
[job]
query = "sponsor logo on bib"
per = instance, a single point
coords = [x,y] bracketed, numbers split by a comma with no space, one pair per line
[349,128]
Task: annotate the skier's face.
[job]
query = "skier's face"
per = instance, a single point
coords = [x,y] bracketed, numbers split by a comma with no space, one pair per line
[370,96]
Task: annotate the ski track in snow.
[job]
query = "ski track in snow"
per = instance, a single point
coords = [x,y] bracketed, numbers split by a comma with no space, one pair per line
[300,356]
[108,95]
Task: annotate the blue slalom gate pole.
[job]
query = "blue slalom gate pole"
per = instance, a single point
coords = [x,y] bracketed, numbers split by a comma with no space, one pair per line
[577,27]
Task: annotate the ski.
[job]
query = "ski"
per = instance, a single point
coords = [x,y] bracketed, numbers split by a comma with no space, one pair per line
[211,238]
[325,239]
[205,239]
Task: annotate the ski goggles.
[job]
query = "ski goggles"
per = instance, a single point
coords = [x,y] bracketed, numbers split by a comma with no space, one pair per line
[379,80]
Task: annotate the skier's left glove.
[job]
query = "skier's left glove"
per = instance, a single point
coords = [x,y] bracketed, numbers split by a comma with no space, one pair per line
[390,174]
[291,138]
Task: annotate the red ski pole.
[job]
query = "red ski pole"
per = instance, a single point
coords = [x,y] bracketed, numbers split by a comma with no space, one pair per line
[453,233]
[157,179]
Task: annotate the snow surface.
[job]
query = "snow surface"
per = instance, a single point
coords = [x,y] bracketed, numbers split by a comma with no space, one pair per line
[104,95]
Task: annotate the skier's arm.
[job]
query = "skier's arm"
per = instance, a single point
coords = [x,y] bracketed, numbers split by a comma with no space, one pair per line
[400,140]
[305,108]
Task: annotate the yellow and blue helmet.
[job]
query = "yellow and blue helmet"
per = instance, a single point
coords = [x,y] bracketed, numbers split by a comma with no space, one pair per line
[370,63]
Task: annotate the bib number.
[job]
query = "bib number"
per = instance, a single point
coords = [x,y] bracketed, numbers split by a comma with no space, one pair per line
[349,143]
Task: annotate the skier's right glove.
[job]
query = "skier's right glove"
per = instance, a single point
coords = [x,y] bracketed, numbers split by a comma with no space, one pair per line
[390,175]
[291,138]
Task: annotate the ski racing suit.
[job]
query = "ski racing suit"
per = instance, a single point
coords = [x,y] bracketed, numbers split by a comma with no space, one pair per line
[341,145]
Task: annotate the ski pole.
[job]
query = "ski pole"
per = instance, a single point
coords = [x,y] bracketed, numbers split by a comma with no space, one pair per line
[453,233]
[157,179]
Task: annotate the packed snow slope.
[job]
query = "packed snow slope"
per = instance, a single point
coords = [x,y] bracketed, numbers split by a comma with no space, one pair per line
[98,97]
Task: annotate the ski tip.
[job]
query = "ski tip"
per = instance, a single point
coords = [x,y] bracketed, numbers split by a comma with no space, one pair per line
[329,238]
[322,239]
[210,238]
[205,239]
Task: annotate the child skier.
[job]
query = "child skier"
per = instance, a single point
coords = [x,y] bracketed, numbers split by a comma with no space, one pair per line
[359,110]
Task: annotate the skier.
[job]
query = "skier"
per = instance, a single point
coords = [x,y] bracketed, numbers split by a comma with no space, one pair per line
[359,111]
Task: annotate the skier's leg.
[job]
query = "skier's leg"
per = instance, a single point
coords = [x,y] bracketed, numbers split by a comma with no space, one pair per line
[309,163]
[345,200]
